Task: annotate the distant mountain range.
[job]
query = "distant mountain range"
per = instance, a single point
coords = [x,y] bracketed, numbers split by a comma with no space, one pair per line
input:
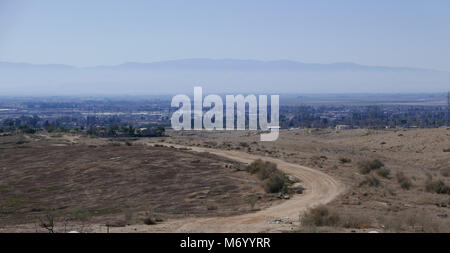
[221,65]
[216,76]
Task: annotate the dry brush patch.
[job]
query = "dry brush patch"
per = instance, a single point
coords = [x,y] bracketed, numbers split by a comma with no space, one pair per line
[105,180]
[407,156]
[325,216]
[273,179]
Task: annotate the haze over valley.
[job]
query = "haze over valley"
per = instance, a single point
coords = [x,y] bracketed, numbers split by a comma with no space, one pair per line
[216,76]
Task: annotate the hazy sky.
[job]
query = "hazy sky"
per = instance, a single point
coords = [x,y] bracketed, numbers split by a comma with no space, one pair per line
[85,33]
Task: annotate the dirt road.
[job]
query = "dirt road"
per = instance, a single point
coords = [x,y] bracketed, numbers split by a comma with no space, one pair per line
[320,189]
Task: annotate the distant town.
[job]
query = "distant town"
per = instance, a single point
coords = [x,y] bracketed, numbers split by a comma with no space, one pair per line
[147,117]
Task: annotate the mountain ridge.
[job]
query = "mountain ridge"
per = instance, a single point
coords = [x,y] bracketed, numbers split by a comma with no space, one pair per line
[217,76]
[222,64]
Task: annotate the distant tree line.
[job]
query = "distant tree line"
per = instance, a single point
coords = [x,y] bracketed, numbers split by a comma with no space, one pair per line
[103,127]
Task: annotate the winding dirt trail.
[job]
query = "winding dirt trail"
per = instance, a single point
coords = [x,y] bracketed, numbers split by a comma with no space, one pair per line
[320,189]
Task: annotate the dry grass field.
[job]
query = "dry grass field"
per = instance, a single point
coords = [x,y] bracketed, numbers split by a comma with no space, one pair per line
[98,181]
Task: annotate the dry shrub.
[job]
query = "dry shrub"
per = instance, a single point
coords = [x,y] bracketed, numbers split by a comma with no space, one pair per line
[243,144]
[370,181]
[149,221]
[358,222]
[274,179]
[436,186]
[211,207]
[274,183]
[365,167]
[261,168]
[345,160]
[383,172]
[404,181]
[48,223]
[320,216]
[412,221]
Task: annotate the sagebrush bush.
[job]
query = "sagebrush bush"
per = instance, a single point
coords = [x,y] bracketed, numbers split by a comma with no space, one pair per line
[365,167]
[149,221]
[358,222]
[211,207]
[274,183]
[383,172]
[320,216]
[437,186]
[345,160]
[405,182]
[370,181]
[259,165]
[274,180]
[243,144]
